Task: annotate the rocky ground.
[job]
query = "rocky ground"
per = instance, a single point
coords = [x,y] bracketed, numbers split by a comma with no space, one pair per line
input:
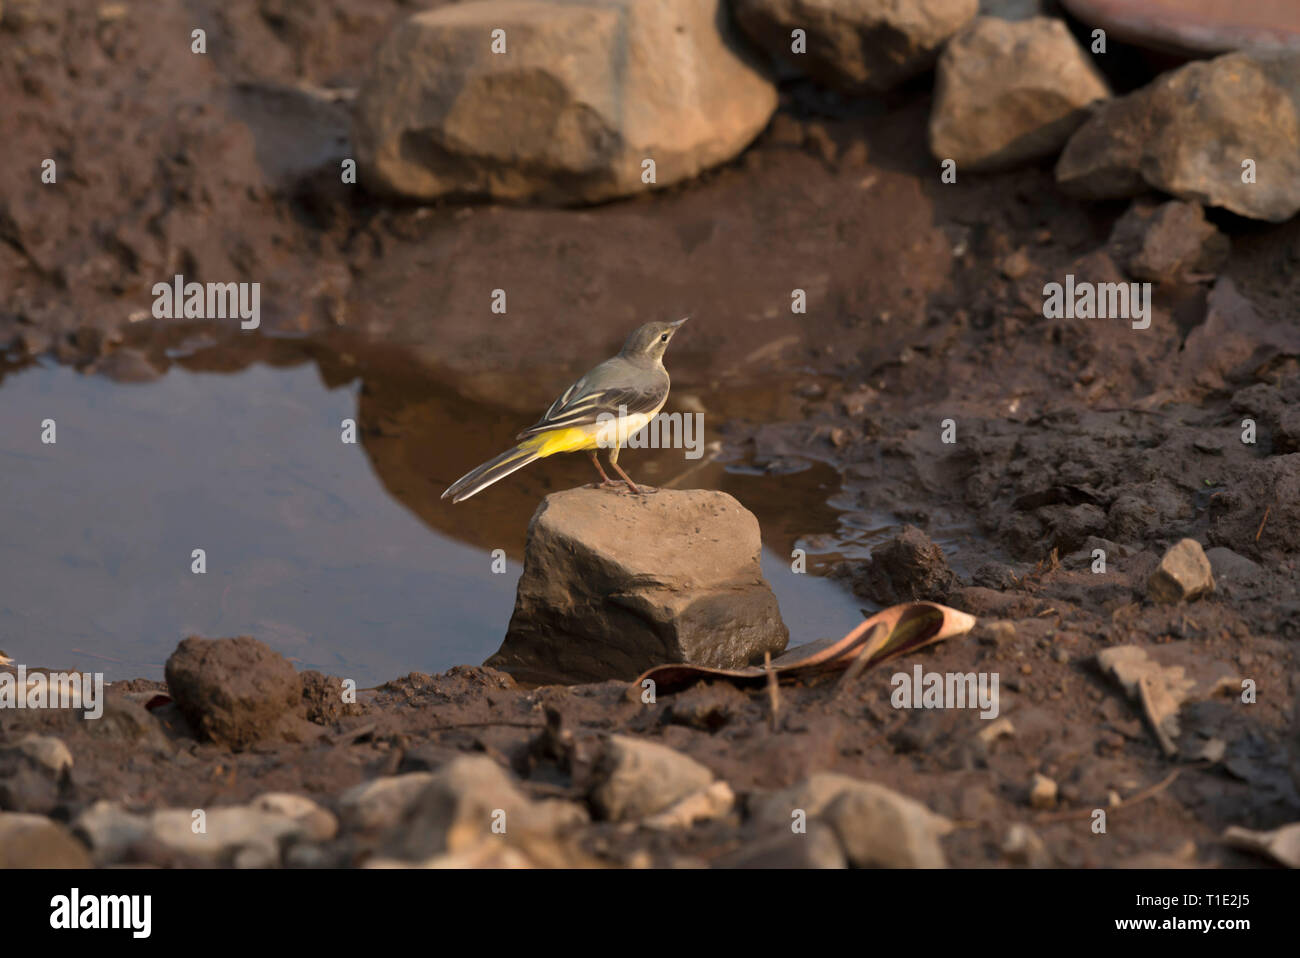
[926,305]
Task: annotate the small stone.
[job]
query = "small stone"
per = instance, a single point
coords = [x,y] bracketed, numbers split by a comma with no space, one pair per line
[231,835]
[715,801]
[34,841]
[880,828]
[997,633]
[1184,573]
[472,803]
[319,824]
[110,830]
[816,848]
[1015,265]
[1022,846]
[380,804]
[1042,792]
[634,779]
[47,751]
[992,731]
[875,826]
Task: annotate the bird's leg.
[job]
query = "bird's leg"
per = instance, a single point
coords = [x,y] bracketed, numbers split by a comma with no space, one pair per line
[613,461]
[604,479]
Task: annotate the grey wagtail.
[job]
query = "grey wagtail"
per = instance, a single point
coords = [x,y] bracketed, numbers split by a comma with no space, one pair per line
[602,409]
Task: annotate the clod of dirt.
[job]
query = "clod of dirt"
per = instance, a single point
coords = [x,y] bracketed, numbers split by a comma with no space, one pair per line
[322,695]
[615,584]
[1168,243]
[708,706]
[233,691]
[1183,574]
[907,568]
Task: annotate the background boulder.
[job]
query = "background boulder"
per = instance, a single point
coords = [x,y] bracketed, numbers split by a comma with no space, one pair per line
[579,96]
[855,46]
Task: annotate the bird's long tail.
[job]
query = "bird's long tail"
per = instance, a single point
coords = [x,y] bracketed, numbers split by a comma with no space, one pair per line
[478,479]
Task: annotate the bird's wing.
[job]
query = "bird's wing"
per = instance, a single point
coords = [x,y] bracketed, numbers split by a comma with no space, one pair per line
[596,395]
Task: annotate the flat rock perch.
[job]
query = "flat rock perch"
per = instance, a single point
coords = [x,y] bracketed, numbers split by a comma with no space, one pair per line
[615,583]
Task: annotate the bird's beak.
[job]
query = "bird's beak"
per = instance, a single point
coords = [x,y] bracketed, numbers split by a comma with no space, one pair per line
[680,321]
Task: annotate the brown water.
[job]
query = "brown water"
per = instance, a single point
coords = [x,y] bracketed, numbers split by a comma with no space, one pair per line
[342,557]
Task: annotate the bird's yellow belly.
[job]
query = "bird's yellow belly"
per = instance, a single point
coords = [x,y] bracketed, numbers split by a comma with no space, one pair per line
[601,435]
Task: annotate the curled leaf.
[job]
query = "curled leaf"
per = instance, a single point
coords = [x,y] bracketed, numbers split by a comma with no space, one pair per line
[888,634]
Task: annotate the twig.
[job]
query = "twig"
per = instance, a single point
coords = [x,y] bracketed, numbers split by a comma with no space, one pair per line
[1262,521]
[1141,796]
[773,690]
[455,725]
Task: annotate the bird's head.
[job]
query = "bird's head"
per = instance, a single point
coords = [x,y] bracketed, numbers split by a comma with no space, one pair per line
[650,341]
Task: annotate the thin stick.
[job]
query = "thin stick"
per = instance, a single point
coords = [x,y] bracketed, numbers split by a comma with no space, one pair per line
[1262,521]
[773,690]
[456,725]
[1126,803]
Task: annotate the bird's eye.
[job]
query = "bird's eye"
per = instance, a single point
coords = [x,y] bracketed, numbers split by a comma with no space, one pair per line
[663,338]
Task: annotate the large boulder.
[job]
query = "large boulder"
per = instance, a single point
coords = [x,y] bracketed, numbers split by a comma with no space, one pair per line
[616,583]
[581,94]
[1009,92]
[1190,133]
[856,46]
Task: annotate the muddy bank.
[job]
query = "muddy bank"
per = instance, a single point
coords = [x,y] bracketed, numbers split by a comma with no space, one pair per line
[925,380]
[595,775]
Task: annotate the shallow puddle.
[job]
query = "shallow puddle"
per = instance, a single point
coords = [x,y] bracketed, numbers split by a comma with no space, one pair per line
[340,556]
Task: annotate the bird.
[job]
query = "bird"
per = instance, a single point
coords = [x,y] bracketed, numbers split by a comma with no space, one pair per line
[602,409]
